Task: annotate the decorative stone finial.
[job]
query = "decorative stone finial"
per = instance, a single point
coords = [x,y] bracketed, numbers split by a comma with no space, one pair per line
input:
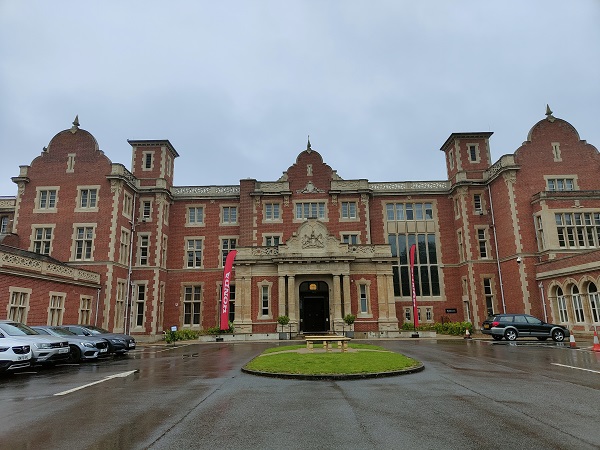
[549,115]
[75,126]
[308,149]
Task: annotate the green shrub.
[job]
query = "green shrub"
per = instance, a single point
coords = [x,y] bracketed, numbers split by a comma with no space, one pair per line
[452,328]
[188,335]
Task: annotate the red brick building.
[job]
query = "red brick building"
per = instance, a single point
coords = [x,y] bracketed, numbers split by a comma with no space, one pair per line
[520,235]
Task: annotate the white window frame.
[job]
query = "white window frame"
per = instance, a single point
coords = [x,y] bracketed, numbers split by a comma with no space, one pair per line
[189,215]
[43,241]
[193,249]
[85,309]
[272,212]
[46,206]
[349,210]
[90,195]
[192,298]
[88,244]
[143,249]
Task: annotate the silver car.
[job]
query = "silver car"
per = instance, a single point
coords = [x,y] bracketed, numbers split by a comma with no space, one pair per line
[82,347]
[46,349]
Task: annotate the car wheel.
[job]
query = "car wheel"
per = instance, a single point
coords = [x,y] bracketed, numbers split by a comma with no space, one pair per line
[542,338]
[510,334]
[74,354]
[558,335]
[496,337]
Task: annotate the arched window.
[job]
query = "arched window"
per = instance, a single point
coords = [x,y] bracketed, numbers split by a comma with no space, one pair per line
[594,298]
[561,303]
[577,304]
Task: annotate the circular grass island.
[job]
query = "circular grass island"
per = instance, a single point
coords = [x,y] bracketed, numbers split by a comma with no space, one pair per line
[359,362]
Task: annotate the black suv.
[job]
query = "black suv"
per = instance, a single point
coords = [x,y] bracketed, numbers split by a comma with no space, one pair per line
[512,326]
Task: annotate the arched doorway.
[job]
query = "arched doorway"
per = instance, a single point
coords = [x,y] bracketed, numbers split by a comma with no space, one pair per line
[314,307]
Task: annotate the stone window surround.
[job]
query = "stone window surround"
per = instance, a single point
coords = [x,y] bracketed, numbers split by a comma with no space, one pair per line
[367,283]
[38,190]
[78,207]
[269,285]
[186,249]
[35,226]
[187,215]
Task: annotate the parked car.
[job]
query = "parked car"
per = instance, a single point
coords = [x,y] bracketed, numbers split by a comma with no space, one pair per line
[14,354]
[117,343]
[512,326]
[46,349]
[82,347]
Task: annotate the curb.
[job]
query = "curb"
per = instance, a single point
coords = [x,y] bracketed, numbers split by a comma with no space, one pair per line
[335,377]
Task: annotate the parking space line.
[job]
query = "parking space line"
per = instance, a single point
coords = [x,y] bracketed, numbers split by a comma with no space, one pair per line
[110,377]
[573,367]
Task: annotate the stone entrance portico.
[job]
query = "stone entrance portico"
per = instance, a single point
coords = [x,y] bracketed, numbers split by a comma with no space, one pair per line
[313,255]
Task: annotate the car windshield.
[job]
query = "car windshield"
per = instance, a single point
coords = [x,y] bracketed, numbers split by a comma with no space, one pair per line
[62,331]
[17,329]
[96,330]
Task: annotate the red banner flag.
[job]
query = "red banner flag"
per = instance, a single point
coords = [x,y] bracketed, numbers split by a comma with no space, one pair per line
[413,249]
[225,289]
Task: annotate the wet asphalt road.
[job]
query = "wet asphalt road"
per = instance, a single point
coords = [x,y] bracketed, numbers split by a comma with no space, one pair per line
[471,395]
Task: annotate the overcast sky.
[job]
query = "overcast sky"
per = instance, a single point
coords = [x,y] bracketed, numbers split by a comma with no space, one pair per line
[237,86]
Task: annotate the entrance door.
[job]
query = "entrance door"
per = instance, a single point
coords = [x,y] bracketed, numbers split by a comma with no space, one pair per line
[314,307]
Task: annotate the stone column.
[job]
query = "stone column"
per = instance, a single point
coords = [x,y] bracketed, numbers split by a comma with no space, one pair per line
[346,287]
[281,296]
[337,299]
[292,301]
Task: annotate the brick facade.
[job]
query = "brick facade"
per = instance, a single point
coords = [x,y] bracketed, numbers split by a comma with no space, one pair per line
[312,245]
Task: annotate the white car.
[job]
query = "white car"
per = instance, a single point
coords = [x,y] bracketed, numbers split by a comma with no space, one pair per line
[46,349]
[14,354]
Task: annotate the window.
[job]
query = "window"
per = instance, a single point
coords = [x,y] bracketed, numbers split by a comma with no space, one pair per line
[146,210]
[348,210]
[164,251]
[88,198]
[364,299]
[578,230]
[482,242]
[561,302]
[231,303]
[272,211]
[4,225]
[310,210]
[350,238]
[489,296]
[47,199]
[124,246]
[56,309]
[19,304]
[409,211]
[477,204]
[227,245]
[85,310]
[196,215]
[229,215]
[561,184]
[84,240]
[539,228]
[264,305]
[451,159]
[42,238]
[594,298]
[426,271]
[429,314]
[147,160]
[127,204]
[461,247]
[191,305]
[120,304]
[143,249]
[407,315]
[473,153]
[140,300]
[577,304]
[194,252]
[272,241]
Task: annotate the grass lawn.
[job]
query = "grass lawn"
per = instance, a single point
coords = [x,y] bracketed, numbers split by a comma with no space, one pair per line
[367,359]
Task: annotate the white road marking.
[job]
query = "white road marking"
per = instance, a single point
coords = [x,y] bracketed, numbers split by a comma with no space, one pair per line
[573,367]
[117,375]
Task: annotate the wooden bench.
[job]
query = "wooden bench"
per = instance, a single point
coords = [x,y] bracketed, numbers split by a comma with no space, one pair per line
[327,340]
